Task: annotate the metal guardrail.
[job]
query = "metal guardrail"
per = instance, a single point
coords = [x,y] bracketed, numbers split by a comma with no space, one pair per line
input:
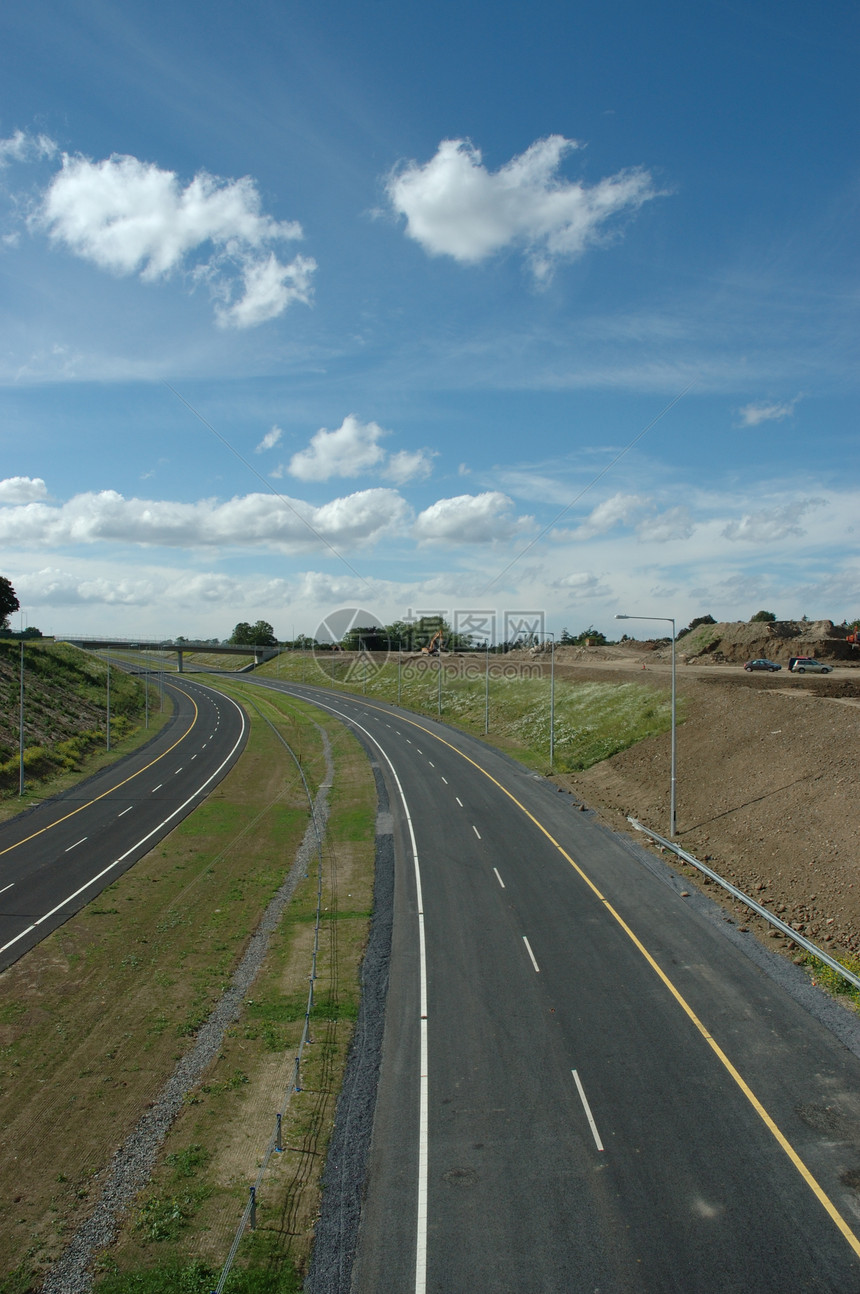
[763,912]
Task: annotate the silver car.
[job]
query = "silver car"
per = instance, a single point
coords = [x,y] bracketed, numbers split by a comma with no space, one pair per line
[809,665]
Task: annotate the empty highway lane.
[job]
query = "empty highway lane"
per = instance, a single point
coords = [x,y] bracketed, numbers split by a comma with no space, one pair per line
[585,1086]
[60,855]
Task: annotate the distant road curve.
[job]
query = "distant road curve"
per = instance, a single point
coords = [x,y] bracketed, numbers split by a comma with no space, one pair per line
[57,857]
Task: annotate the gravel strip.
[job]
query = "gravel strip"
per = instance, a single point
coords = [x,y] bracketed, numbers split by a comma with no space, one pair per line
[132,1164]
[336,1233]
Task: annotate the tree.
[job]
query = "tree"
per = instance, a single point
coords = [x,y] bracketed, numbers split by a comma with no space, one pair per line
[762,617]
[694,624]
[260,634]
[8,601]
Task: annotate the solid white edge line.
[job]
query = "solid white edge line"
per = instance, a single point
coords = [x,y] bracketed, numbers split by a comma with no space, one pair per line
[587,1109]
[531,954]
[140,842]
[423,1097]
[498,877]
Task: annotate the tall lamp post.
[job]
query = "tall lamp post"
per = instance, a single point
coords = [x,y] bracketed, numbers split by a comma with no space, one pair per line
[670,621]
[551,635]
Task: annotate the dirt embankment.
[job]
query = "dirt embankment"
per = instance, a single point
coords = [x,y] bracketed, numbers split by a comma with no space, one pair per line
[768,785]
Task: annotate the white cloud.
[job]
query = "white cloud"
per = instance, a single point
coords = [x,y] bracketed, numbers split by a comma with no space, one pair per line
[269,441]
[455,207]
[580,586]
[269,287]
[619,508]
[470,519]
[53,587]
[125,216]
[349,451]
[24,147]
[259,521]
[354,449]
[753,414]
[674,523]
[22,489]
[772,524]
[408,465]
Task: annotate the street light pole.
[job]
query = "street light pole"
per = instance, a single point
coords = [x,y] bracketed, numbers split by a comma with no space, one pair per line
[668,620]
[487,689]
[551,635]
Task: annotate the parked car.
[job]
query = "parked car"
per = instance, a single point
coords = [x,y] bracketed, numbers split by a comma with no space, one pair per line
[808,665]
[761,663]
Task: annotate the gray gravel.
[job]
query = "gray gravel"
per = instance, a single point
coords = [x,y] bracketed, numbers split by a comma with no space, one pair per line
[132,1165]
[336,1234]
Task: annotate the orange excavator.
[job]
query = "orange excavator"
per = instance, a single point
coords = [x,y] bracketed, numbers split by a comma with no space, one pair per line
[434,647]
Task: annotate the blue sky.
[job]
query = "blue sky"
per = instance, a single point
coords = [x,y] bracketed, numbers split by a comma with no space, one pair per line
[427,308]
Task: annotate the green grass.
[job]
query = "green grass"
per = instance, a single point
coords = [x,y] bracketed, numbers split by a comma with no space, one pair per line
[830,980]
[593,720]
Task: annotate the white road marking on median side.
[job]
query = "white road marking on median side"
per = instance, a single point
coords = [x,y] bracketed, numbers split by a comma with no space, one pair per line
[179,770]
[531,954]
[430,762]
[125,811]
[7,887]
[75,845]
[444,779]
[423,1077]
[459,801]
[476,831]
[156,788]
[498,877]
[587,1109]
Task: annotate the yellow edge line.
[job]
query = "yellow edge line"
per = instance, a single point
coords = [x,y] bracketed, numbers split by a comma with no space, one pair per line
[111,789]
[756,1104]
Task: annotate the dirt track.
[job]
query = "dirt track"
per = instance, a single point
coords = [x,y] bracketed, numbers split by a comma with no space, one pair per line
[768,787]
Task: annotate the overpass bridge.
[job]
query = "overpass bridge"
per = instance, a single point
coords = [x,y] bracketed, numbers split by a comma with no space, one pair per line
[260,654]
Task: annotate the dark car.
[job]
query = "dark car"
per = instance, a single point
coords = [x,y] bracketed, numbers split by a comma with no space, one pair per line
[761,663]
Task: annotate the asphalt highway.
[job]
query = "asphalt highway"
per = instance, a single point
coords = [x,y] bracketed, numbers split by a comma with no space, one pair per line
[58,856]
[585,1086]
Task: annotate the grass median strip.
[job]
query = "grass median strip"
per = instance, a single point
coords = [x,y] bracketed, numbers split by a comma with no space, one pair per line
[94,1019]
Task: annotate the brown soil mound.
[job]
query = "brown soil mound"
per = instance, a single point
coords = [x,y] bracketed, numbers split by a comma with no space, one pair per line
[768,788]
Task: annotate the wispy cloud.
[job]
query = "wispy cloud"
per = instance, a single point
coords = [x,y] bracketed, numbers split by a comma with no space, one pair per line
[25,147]
[771,525]
[455,207]
[269,441]
[753,414]
[125,216]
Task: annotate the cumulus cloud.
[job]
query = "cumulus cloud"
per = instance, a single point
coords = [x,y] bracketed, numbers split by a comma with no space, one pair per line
[455,207]
[408,465]
[771,524]
[623,508]
[753,414]
[53,587]
[354,449]
[126,216]
[22,489]
[249,521]
[269,441]
[470,519]
[24,147]
[350,450]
